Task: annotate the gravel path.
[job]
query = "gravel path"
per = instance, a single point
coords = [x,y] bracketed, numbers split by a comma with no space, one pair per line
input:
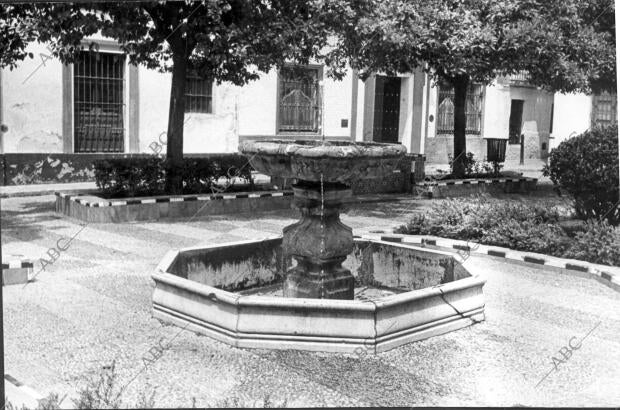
[92,307]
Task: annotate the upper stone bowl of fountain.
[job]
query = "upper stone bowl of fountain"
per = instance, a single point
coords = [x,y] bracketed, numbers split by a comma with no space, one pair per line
[330,161]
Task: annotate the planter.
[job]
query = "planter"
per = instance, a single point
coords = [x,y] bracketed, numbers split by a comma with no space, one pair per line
[465,187]
[91,208]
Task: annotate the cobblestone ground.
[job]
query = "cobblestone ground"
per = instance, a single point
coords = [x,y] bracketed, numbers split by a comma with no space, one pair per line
[92,307]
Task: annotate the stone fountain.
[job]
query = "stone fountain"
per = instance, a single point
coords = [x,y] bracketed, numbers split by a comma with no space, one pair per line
[320,242]
[317,287]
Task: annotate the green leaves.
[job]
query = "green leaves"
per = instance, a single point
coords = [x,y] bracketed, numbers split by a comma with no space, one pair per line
[227,40]
[565,45]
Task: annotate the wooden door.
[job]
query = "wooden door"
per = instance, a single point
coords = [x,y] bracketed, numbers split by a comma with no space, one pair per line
[387,109]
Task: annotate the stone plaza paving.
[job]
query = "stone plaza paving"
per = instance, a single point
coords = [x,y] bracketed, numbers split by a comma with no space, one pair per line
[92,306]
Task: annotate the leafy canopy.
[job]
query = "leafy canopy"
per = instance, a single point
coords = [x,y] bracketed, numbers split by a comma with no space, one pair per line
[564,45]
[228,40]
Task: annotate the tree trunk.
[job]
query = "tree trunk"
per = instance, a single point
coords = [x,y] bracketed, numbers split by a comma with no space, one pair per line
[176,115]
[460,123]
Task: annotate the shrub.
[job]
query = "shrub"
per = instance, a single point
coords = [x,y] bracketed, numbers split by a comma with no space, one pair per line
[531,228]
[476,169]
[102,392]
[142,176]
[598,243]
[587,167]
[132,176]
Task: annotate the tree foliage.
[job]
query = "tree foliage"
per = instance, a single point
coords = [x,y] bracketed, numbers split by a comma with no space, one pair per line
[225,40]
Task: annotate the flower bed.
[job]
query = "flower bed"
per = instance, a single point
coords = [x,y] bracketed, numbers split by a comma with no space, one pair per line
[521,227]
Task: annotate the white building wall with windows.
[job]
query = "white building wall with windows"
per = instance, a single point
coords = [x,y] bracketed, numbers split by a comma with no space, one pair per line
[40,111]
[38,106]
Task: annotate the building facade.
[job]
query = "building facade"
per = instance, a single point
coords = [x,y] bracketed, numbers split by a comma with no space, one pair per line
[103,104]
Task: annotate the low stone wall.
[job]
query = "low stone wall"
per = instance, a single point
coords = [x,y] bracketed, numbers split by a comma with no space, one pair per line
[90,208]
[465,187]
[400,181]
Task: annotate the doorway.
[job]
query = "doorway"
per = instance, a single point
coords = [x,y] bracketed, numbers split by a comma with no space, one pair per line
[516,121]
[386,109]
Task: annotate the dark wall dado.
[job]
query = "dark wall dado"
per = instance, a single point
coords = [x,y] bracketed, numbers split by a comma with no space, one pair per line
[35,168]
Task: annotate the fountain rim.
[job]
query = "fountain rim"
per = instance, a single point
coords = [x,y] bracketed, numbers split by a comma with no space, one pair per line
[322,149]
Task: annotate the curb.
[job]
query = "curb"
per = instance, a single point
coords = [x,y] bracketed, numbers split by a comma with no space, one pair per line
[17,264]
[568,266]
[20,395]
[27,396]
[476,181]
[185,198]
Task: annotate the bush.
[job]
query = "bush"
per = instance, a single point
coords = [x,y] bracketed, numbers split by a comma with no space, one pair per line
[531,228]
[143,176]
[598,243]
[129,176]
[587,167]
[475,168]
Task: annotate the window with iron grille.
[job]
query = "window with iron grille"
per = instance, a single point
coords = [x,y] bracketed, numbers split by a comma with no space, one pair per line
[473,109]
[298,100]
[99,104]
[604,109]
[198,94]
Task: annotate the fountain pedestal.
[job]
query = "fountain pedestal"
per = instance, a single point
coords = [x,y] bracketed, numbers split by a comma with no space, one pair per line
[319,242]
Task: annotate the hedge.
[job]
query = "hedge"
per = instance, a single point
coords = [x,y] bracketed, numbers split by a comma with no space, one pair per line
[140,176]
[518,226]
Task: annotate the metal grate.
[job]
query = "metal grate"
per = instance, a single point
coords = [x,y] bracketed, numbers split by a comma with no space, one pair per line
[298,101]
[473,109]
[98,102]
[604,109]
[522,78]
[198,94]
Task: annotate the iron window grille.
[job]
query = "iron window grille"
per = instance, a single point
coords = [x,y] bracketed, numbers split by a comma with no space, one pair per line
[198,94]
[604,109]
[99,105]
[473,109]
[299,100]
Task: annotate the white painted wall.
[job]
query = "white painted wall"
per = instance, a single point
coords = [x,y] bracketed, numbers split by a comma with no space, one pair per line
[337,105]
[32,107]
[214,132]
[258,106]
[405,116]
[571,116]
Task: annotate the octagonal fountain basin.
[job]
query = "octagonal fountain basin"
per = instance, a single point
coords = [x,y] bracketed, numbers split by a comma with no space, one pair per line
[233,293]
